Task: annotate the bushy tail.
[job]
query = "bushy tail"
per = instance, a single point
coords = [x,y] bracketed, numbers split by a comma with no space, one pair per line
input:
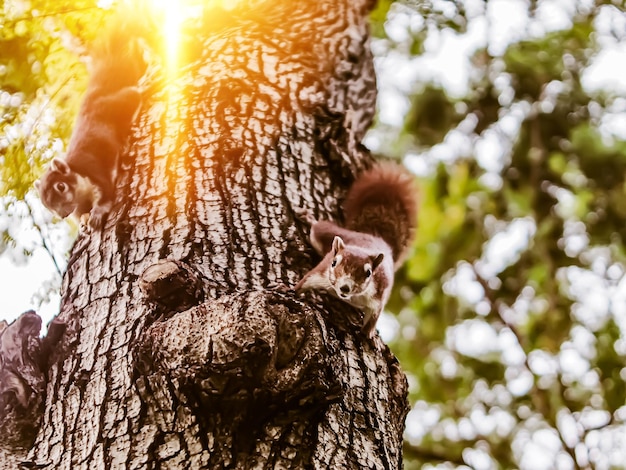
[383,202]
[117,59]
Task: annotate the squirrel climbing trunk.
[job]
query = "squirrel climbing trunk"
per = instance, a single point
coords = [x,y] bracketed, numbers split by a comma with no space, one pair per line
[359,261]
[83,183]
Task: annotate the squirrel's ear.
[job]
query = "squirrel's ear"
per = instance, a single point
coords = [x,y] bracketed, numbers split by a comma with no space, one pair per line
[338,245]
[37,184]
[376,261]
[61,166]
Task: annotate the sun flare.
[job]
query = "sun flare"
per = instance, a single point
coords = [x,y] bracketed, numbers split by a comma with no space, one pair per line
[171,15]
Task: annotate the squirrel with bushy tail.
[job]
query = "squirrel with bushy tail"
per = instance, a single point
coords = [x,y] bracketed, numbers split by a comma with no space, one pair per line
[83,183]
[361,258]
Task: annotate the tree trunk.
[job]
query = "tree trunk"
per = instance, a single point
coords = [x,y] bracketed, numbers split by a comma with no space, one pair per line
[179,350]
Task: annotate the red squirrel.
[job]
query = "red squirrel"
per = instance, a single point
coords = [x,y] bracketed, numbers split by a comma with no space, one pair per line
[360,260]
[83,184]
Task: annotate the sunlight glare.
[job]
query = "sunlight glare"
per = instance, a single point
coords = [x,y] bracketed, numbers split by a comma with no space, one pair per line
[171,14]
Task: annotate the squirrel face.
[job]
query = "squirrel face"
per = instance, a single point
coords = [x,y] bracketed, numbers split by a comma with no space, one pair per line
[63,191]
[57,188]
[351,271]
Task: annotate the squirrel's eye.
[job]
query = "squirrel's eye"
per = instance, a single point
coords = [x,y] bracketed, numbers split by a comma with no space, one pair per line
[334,263]
[368,273]
[61,187]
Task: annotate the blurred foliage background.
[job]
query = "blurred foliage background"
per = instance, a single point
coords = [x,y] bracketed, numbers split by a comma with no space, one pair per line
[42,77]
[509,318]
[511,314]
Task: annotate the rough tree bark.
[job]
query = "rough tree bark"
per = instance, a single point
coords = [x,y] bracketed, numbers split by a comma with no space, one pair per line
[177,350]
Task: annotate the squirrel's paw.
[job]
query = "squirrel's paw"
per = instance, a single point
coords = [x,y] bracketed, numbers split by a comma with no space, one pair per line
[98,216]
[305,215]
[83,223]
[280,287]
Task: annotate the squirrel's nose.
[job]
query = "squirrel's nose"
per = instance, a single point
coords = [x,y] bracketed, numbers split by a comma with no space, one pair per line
[345,289]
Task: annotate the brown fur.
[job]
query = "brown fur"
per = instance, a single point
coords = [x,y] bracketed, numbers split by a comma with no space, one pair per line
[383,202]
[100,133]
[360,260]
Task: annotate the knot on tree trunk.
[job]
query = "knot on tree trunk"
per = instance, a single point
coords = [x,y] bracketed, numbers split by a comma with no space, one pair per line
[253,349]
[172,286]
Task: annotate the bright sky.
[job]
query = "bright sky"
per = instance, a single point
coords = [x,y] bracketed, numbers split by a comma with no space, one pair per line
[23,279]
[20,285]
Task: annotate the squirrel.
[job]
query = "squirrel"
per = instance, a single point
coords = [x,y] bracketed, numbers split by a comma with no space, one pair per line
[83,183]
[360,259]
